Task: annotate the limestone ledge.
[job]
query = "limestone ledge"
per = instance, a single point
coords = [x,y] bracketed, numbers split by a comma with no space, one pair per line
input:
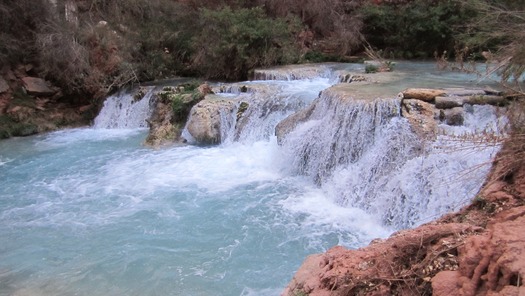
[424,108]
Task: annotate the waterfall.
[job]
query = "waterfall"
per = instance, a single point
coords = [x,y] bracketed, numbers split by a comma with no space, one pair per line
[296,73]
[248,112]
[359,151]
[265,110]
[363,154]
[126,110]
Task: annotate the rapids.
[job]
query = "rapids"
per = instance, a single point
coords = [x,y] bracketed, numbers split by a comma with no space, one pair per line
[92,211]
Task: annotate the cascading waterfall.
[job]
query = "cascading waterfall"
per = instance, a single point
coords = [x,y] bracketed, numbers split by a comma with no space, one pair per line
[363,153]
[91,211]
[124,110]
[261,106]
[336,136]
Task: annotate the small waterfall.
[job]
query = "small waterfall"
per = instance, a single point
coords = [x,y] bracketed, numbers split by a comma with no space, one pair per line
[249,112]
[258,121]
[364,154]
[338,134]
[124,110]
[295,73]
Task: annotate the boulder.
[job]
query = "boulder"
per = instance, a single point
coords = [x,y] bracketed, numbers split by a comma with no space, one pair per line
[3,85]
[423,94]
[204,124]
[37,86]
[204,89]
[446,102]
[486,100]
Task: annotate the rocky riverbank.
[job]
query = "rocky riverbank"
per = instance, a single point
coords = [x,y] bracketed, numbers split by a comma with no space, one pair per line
[30,105]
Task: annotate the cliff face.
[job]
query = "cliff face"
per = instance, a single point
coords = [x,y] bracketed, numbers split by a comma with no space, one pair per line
[479,250]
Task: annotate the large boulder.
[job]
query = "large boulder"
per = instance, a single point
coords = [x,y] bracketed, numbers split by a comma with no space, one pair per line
[454,116]
[204,123]
[37,86]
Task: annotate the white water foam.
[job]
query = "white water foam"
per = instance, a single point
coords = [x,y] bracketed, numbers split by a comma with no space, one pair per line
[365,155]
[267,107]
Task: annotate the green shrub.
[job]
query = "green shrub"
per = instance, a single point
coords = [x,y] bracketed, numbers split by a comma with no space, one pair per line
[418,28]
[371,68]
[233,42]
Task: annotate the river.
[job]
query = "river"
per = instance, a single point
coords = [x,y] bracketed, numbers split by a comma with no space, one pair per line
[92,211]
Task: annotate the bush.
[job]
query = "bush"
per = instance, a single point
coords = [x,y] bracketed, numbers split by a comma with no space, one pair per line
[19,19]
[335,24]
[233,42]
[415,27]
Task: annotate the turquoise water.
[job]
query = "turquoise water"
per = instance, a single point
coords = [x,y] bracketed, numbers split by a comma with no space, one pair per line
[94,212]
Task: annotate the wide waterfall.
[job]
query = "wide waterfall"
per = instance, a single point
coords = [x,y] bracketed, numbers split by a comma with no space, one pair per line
[364,154]
[92,211]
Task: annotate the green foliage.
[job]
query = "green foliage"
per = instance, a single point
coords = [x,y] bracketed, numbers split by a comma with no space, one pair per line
[416,28]
[12,128]
[242,108]
[315,56]
[19,20]
[233,42]
[181,98]
[371,68]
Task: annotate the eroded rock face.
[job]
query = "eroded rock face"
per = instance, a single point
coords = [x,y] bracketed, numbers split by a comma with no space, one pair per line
[204,123]
[162,128]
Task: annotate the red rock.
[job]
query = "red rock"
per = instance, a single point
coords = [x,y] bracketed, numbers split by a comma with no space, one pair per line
[37,86]
[445,283]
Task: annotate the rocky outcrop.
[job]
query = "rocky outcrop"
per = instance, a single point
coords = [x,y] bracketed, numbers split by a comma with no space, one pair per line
[422,116]
[426,108]
[172,108]
[204,123]
[30,105]
[477,251]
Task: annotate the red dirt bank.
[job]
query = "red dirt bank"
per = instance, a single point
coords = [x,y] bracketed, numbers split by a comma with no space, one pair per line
[478,251]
